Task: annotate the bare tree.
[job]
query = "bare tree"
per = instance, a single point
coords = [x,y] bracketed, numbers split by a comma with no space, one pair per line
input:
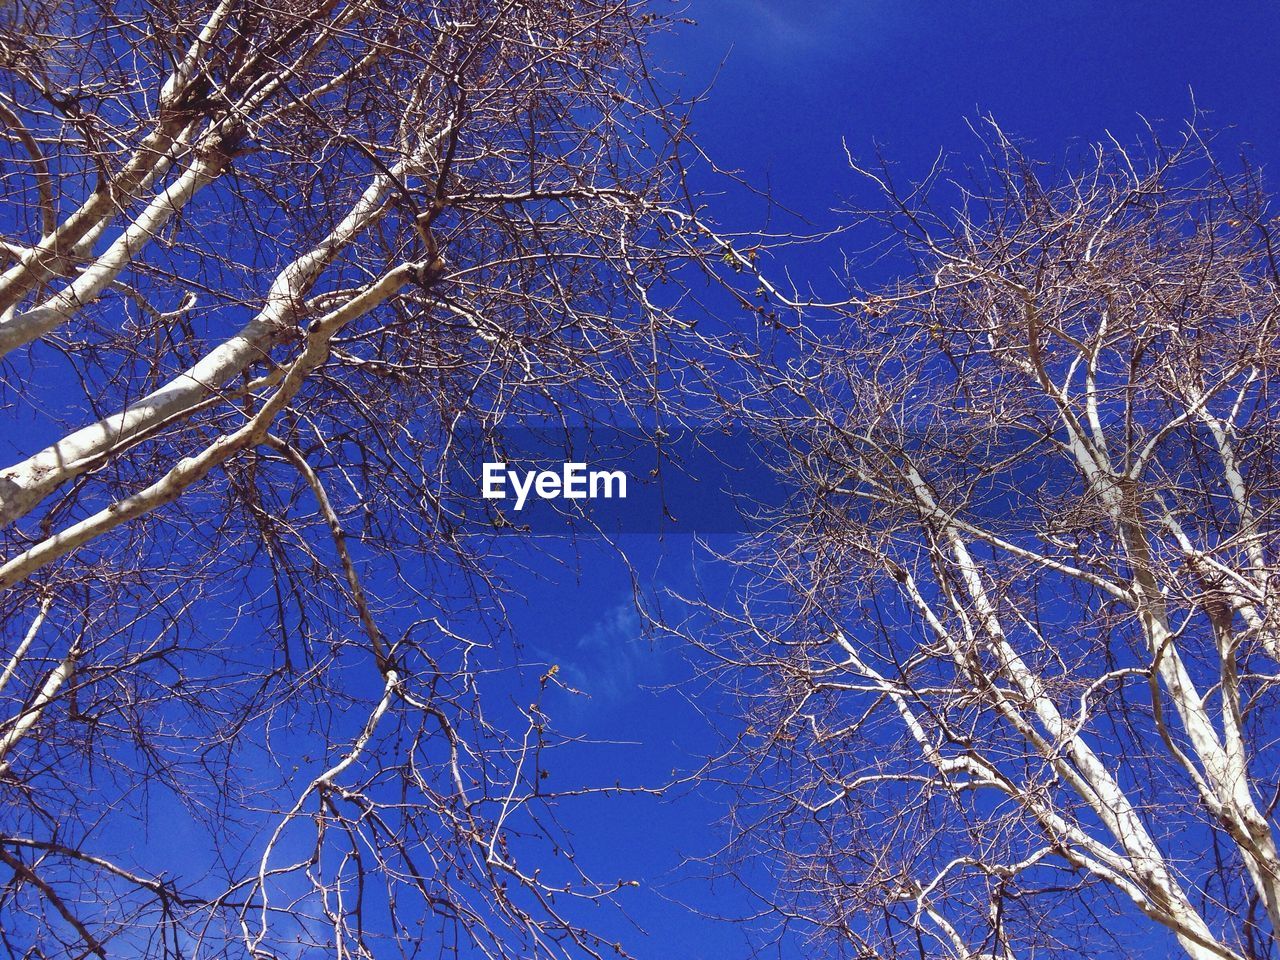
[1016,639]
[259,261]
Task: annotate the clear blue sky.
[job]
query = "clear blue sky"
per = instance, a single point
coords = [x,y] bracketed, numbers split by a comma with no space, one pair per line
[797,78]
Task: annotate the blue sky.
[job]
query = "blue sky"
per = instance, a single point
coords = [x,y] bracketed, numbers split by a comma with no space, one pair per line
[798,78]
[794,82]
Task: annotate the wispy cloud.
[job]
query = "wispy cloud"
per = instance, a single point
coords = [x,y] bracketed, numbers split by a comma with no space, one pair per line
[612,660]
[776,22]
[782,27]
